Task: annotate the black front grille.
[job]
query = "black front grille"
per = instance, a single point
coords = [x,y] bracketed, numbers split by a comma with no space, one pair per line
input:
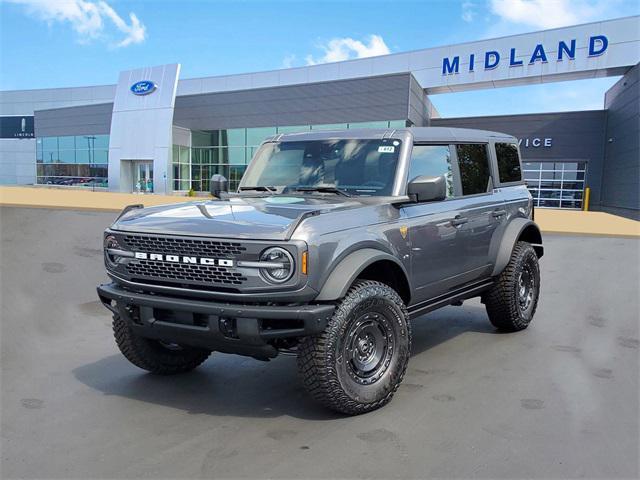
[194,275]
[182,246]
[184,272]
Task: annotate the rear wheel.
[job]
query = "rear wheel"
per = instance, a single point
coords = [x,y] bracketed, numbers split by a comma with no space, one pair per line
[162,358]
[358,362]
[513,299]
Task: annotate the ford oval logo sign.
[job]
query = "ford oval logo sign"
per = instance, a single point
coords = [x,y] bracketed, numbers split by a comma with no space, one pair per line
[145,87]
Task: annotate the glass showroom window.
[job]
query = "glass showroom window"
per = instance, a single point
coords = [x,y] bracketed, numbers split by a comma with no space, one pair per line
[228,152]
[556,184]
[181,167]
[80,160]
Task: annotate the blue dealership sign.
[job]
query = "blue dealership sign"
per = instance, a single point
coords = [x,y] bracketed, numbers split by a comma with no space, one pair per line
[144,87]
[562,51]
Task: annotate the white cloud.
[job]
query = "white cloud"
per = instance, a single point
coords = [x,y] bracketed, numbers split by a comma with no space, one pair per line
[90,19]
[288,61]
[468,11]
[548,13]
[339,49]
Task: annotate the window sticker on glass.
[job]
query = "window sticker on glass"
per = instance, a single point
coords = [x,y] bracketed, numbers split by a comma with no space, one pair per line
[386,149]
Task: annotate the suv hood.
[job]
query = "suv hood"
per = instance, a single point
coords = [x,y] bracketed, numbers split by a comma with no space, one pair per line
[255,218]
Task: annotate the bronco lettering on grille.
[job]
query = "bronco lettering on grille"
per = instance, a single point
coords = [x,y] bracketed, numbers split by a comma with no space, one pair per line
[221,262]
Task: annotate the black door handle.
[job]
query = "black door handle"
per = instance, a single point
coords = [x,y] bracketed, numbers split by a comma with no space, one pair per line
[499,213]
[459,221]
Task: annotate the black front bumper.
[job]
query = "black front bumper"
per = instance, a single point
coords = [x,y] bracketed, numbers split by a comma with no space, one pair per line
[225,327]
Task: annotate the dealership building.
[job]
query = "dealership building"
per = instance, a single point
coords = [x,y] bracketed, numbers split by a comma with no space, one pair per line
[156,132]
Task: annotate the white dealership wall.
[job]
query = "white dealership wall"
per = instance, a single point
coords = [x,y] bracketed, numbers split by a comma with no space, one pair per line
[141,125]
[17,161]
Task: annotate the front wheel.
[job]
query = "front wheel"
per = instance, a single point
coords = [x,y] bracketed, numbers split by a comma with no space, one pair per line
[512,301]
[155,356]
[357,363]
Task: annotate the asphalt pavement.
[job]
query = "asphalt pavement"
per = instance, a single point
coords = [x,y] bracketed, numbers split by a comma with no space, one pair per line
[555,401]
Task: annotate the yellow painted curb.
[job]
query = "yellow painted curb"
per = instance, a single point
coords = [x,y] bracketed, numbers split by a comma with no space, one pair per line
[586,223]
[37,197]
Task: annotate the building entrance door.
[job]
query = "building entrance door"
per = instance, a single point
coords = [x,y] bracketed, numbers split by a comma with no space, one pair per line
[142,177]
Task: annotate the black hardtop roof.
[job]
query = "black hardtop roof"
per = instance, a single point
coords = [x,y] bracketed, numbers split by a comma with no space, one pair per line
[420,134]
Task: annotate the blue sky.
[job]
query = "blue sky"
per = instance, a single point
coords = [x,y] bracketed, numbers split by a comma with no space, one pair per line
[61,43]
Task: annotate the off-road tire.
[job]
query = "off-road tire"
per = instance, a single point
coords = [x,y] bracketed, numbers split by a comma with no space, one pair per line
[327,371]
[505,310]
[151,355]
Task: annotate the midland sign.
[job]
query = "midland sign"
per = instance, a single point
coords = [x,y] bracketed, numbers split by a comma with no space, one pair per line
[592,50]
[564,50]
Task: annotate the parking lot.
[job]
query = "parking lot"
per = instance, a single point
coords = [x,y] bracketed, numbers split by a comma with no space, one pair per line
[557,400]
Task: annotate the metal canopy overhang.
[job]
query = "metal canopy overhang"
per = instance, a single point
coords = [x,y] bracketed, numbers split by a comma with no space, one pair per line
[592,50]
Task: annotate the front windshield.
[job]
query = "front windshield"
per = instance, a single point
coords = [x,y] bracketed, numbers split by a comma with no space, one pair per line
[356,167]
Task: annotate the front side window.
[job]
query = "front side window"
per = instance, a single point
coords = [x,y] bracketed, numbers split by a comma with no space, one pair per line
[508,162]
[432,161]
[473,162]
[358,167]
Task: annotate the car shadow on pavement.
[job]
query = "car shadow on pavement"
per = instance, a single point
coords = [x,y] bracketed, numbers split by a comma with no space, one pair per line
[442,325]
[228,385]
[225,385]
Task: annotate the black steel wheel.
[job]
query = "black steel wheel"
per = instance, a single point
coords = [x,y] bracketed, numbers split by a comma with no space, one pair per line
[527,287]
[368,347]
[358,362]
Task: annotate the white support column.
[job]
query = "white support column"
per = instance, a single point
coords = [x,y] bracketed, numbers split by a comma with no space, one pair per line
[141,124]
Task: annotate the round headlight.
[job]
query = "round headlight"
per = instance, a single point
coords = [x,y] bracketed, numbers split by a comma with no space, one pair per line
[111,242]
[285,268]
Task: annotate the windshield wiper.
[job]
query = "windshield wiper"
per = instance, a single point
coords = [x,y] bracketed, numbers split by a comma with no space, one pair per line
[259,188]
[323,190]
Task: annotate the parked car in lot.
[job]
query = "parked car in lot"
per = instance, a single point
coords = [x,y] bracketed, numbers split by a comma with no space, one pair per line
[333,242]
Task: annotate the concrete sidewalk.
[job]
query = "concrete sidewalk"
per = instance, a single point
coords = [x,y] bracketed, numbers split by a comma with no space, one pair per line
[550,221]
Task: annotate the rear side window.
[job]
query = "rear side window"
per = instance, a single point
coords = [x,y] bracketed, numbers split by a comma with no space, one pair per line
[508,162]
[473,162]
[433,161]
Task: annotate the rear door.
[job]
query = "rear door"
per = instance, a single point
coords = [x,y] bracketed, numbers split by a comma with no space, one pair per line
[512,189]
[483,208]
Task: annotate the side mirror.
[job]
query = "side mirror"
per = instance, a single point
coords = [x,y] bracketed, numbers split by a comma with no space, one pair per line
[218,184]
[428,189]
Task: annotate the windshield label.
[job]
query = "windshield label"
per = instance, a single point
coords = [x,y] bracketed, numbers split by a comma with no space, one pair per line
[386,149]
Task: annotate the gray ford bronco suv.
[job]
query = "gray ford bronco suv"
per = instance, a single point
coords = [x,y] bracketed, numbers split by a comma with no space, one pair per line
[332,243]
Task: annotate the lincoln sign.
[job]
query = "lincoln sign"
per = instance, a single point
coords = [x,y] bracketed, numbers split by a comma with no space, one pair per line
[491,59]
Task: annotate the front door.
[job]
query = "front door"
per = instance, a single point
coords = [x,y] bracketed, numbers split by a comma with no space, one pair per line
[436,263]
[436,260]
[142,177]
